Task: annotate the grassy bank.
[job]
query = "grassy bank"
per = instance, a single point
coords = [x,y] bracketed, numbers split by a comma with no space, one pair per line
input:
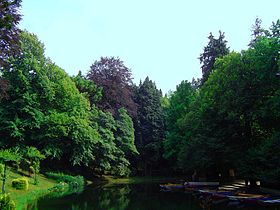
[22,196]
[54,183]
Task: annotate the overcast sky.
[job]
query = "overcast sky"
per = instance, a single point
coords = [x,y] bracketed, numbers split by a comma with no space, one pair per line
[161,39]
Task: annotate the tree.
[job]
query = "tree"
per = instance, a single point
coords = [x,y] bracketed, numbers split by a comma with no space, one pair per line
[125,133]
[114,77]
[3,88]
[8,156]
[88,88]
[9,32]
[116,145]
[9,37]
[257,31]
[34,156]
[110,158]
[179,107]
[45,109]
[214,49]
[234,120]
[275,29]
[149,128]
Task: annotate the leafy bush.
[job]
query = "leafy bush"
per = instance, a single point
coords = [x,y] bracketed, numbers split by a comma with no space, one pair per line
[20,183]
[73,181]
[6,203]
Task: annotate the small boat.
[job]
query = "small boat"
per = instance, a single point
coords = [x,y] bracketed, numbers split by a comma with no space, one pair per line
[234,198]
[247,199]
[202,184]
[269,202]
[172,187]
[217,196]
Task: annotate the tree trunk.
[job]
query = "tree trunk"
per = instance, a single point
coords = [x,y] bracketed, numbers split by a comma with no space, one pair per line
[4,179]
[145,168]
[35,177]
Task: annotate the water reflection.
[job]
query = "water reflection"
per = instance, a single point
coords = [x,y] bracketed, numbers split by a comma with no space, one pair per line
[114,198]
[119,197]
[126,197]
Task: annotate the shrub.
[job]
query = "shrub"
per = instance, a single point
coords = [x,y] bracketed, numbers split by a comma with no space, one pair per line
[73,181]
[20,183]
[6,203]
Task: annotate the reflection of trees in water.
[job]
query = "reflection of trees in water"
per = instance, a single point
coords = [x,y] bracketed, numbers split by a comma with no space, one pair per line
[119,197]
[114,198]
[84,206]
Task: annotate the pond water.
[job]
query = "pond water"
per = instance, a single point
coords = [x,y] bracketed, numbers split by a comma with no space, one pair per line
[125,197]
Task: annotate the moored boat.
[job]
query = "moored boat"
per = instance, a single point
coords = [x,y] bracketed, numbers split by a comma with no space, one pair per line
[202,184]
[269,202]
[172,187]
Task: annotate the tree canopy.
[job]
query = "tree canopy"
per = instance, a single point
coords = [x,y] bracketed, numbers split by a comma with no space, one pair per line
[9,31]
[114,77]
[214,49]
[231,122]
[102,123]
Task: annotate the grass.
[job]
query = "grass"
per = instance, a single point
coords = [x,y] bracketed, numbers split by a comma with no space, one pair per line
[21,197]
[51,185]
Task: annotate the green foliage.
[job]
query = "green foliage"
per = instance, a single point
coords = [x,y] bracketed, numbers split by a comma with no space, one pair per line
[110,158]
[215,48]
[180,105]
[125,133]
[34,154]
[232,122]
[149,127]
[88,88]
[2,170]
[9,31]
[20,184]
[33,157]
[9,155]
[73,181]
[45,109]
[6,203]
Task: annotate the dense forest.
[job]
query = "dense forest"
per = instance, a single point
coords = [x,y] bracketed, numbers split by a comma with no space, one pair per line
[103,123]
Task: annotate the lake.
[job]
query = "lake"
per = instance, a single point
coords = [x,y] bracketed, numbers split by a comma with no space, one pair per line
[125,197]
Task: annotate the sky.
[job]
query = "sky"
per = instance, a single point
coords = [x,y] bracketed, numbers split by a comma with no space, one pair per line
[161,39]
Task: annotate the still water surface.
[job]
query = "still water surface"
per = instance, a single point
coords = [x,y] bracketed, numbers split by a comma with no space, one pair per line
[126,197]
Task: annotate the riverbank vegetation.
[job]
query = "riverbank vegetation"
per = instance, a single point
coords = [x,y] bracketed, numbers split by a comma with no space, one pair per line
[51,184]
[101,123]
[21,196]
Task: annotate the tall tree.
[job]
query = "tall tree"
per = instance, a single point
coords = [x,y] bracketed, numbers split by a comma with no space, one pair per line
[9,32]
[214,49]
[45,109]
[234,119]
[257,31]
[275,29]
[180,105]
[149,130]
[9,37]
[114,77]
[110,157]
[125,133]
